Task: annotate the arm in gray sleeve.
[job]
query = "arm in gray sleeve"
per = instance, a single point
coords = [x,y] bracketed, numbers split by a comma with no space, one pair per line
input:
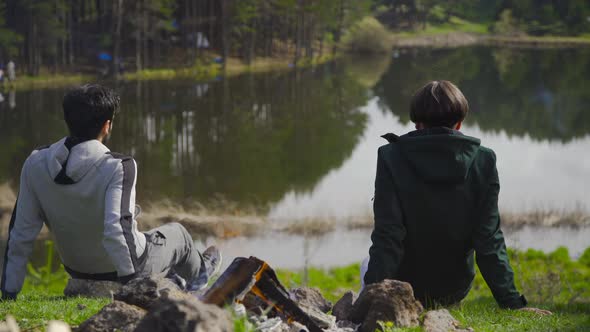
[118,238]
[25,224]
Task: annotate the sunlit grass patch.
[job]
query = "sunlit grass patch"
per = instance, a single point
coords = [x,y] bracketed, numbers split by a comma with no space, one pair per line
[47,80]
[455,24]
[551,281]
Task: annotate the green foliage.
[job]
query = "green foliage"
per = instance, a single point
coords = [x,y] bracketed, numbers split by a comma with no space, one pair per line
[46,277]
[536,17]
[507,24]
[241,324]
[585,258]
[9,40]
[367,36]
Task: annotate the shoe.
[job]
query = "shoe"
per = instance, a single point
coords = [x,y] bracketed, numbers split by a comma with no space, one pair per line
[210,266]
[178,280]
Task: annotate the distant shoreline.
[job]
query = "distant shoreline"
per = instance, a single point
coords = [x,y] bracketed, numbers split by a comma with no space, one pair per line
[460,39]
[236,67]
[206,72]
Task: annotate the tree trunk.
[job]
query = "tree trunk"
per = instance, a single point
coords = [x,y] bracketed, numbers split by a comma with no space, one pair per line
[138,36]
[118,22]
[71,34]
[146,62]
[225,31]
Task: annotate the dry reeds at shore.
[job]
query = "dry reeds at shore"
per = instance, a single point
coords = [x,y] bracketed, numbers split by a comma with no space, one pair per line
[224,219]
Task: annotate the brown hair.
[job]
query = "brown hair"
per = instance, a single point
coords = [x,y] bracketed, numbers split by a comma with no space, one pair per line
[438,104]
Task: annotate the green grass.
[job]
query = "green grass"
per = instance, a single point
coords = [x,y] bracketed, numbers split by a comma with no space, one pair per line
[455,24]
[46,81]
[550,281]
[197,72]
[582,40]
[39,303]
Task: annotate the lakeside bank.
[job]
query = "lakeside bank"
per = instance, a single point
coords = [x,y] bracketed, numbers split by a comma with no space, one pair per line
[460,39]
[211,70]
[201,72]
[550,281]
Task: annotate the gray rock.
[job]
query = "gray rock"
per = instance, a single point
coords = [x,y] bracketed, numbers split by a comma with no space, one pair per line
[144,292]
[271,325]
[442,321]
[323,320]
[115,316]
[91,288]
[297,327]
[387,301]
[343,307]
[185,315]
[9,325]
[310,297]
[57,326]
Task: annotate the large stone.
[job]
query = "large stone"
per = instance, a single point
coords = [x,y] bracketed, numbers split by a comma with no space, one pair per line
[58,326]
[387,301]
[343,326]
[310,297]
[115,316]
[144,292]
[9,325]
[343,307]
[185,315]
[321,319]
[91,288]
[442,321]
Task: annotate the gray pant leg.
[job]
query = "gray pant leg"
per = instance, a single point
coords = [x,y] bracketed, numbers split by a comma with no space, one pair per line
[171,247]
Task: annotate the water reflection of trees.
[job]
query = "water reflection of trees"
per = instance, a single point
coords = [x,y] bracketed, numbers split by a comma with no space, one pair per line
[250,138]
[540,93]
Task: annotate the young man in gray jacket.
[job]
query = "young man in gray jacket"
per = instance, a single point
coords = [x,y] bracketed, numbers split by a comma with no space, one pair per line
[85,194]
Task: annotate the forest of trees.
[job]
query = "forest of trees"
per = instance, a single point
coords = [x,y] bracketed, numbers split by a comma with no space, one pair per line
[146,33]
[534,17]
[81,35]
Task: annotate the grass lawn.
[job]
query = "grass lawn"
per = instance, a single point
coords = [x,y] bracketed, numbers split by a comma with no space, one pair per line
[455,24]
[550,281]
[46,81]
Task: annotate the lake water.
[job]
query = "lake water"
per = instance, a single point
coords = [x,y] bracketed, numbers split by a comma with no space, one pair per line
[302,144]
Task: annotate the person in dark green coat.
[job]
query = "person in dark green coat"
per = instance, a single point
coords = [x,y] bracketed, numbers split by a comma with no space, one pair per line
[436,207]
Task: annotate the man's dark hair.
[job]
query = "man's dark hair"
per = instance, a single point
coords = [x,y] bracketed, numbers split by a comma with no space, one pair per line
[438,104]
[87,108]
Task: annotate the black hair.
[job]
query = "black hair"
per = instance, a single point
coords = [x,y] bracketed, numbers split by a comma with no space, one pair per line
[87,108]
[439,104]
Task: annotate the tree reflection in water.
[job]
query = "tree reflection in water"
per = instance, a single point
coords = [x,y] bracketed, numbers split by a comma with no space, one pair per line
[249,139]
[539,93]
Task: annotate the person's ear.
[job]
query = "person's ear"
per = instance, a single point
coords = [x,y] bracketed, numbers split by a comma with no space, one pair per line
[458,125]
[106,128]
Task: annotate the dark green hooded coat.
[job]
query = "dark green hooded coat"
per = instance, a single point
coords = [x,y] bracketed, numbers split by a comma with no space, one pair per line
[435,205]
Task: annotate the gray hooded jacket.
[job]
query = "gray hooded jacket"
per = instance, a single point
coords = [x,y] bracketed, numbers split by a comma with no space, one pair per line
[86,196]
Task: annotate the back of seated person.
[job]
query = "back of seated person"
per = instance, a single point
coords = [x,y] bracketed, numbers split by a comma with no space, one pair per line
[436,207]
[85,194]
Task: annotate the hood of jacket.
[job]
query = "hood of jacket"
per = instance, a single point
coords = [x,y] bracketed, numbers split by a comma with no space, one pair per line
[70,159]
[439,155]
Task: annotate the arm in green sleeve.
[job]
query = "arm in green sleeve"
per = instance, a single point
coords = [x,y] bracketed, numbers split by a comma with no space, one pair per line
[387,250]
[490,250]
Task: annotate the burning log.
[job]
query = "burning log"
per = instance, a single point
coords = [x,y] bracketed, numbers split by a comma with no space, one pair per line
[251,280]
